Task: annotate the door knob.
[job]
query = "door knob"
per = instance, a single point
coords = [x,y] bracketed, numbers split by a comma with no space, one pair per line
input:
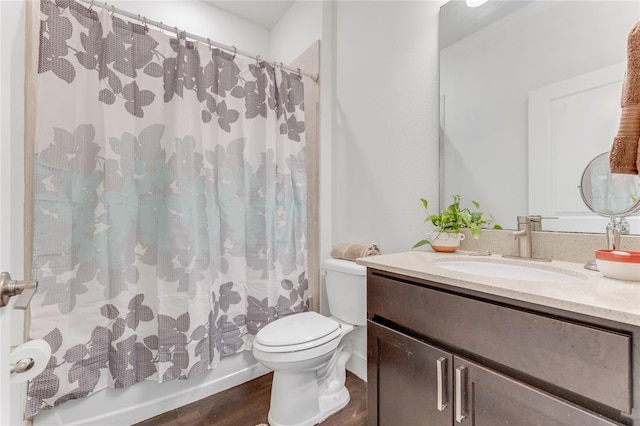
[10,288]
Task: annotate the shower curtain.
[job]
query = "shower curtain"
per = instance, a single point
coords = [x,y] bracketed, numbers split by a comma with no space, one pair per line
[169,203]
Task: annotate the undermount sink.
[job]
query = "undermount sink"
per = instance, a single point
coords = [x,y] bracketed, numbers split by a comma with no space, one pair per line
[509,271]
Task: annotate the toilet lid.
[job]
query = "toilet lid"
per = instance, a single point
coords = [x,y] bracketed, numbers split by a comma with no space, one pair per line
[298,328]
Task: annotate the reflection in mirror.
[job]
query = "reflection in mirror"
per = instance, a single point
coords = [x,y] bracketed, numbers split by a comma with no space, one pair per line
[606,194]
[530,93]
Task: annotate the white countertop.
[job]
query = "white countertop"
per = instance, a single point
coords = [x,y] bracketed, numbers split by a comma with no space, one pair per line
[590,294]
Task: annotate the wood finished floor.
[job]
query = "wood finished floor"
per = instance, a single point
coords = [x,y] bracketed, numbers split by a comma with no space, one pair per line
[248,405]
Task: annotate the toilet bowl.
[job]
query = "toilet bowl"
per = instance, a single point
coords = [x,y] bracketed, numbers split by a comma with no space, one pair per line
[308,351]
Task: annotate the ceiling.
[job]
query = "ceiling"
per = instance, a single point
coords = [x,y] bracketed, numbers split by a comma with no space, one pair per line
[457,20]
[265,13]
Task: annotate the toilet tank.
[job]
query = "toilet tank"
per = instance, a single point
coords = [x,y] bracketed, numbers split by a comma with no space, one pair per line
[346,284]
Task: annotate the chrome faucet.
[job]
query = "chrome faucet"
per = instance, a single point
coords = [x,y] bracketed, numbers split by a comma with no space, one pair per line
[526,224]
[523,234]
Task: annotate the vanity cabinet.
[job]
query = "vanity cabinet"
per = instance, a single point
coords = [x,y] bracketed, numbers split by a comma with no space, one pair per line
[438,355]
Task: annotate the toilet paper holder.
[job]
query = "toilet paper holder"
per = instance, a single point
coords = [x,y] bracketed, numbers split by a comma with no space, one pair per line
[28,360]
[25,364]
[10,288]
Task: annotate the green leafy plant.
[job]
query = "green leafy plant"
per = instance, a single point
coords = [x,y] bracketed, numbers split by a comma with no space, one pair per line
[455,218]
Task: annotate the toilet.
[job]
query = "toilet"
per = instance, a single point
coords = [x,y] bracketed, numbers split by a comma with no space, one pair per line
[308,351]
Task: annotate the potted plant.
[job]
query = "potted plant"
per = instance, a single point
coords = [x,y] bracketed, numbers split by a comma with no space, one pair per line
[446,236]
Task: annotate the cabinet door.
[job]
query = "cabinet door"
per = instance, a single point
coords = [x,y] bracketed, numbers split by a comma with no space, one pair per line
[409,381]
[483,397]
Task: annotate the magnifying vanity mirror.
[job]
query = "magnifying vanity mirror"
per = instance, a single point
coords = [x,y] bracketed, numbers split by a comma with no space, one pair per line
[614,196]
[530,93]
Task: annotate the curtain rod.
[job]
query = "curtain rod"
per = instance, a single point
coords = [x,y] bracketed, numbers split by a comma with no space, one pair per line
[185,34]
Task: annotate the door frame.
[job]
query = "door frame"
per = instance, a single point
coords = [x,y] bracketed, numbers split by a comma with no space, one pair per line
[12,99]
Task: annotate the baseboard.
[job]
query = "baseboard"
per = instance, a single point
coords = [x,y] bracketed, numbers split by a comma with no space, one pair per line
[357,364]
[148,399]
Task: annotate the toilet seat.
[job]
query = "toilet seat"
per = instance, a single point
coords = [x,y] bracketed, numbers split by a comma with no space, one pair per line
[297,332]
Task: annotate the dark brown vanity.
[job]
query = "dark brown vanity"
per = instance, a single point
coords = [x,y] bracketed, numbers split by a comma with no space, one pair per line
[441,354]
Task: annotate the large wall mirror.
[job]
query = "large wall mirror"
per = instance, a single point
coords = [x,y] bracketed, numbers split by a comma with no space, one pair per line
[530,94]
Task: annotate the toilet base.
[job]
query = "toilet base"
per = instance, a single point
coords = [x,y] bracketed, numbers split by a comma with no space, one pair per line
[328,404]
[306,390]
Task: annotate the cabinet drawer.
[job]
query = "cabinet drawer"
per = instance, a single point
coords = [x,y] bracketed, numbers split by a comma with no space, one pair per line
[569,355]
[501,400]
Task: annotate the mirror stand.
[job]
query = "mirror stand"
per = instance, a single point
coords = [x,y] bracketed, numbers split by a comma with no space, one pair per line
[617,226]
[615,196]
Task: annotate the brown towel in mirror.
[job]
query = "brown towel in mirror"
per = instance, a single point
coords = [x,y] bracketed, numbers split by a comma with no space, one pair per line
[354,251]
[623,157]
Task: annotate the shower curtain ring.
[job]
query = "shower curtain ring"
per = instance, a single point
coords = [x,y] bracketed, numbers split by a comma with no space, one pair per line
[91,6]
[144,19]
[258,60]
[113,11]
[209,42]
[235,52]
[299,73]
[139,18]
[281,66]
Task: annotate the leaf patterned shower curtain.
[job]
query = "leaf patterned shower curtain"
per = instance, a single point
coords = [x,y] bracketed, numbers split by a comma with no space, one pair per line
[169,205]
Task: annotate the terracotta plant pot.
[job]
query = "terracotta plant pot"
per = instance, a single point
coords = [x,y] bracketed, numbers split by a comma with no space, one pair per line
[446,242]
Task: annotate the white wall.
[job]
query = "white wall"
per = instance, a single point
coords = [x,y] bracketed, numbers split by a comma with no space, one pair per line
[296,31]
[379,77]
[385,152]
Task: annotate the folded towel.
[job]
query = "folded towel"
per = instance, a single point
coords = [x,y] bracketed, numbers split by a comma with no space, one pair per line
[354,251]
[624,156]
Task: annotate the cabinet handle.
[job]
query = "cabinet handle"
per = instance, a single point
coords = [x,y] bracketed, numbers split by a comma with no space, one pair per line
[461,388]
[441,372]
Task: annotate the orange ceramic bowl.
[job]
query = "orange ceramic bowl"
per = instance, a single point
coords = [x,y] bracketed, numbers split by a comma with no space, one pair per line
[619,264]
